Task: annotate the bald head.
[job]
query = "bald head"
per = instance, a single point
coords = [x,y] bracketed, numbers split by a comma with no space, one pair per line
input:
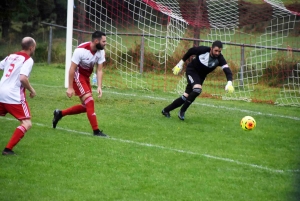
[27,43]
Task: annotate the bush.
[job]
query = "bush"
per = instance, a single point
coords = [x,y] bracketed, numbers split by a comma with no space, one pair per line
[279,70]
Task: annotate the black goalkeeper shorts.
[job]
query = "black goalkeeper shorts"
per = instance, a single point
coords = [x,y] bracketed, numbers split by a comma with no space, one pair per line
[193,78]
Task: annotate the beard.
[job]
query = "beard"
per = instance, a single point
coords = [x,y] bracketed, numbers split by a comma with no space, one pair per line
[99,47]
[213,55]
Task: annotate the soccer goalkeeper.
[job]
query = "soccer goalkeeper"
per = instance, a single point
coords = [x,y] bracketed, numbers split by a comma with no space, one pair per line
[206,60]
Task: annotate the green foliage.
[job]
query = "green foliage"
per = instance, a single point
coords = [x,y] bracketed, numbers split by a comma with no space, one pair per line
[41,53]
[31,13]
[57,54]
[280,69]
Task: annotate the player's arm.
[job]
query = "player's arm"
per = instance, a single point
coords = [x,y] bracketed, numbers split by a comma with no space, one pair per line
[99,78]
[192,51]
[70,90]
[228,74]
[25,83]
[72,73]
[24,76]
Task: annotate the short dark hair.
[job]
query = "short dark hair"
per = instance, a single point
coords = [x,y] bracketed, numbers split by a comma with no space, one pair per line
[218,44]
[97,34]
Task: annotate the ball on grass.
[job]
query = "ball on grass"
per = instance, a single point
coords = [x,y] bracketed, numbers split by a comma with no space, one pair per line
[248,123]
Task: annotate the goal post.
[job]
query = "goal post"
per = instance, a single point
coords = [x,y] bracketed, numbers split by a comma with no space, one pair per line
[69,38]
[154,35]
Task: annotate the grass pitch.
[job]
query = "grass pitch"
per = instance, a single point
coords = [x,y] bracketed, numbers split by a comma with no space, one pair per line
[149,157]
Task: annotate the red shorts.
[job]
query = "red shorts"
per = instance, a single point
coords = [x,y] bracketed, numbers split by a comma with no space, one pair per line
[82,86]
[19,111]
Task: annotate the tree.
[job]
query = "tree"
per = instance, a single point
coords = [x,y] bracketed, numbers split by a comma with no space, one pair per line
[30,13]
[7,9]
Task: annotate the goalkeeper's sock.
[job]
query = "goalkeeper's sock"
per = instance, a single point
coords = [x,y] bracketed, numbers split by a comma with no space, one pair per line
[90,112]
[76,109]
[175,104]
[192,96]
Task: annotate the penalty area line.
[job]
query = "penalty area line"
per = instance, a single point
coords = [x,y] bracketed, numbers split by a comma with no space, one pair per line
[171,149]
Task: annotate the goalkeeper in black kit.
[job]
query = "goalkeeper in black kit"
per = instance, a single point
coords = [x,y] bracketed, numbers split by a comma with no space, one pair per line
[206,60]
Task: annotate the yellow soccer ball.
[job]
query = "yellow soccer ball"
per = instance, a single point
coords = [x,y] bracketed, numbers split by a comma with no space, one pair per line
[248,123]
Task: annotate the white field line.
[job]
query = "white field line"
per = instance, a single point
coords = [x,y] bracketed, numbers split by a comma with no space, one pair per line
[171,149]
[196,103]
[214,106]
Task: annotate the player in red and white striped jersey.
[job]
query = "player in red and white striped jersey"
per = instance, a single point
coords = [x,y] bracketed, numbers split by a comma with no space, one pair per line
[14,82]
[84,58]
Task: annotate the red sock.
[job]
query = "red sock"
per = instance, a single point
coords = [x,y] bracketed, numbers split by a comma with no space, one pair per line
[90,112]
[16,137]
[76,109]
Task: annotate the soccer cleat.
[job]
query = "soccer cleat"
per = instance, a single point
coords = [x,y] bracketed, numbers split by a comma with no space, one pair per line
[7,152]
[56,117]
[166,114]
[181,115]
[100,133]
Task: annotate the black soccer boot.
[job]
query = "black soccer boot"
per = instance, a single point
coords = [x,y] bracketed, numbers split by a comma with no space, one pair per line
[7,152]
[166,114]
[56,117]
[181,115]
[99,133]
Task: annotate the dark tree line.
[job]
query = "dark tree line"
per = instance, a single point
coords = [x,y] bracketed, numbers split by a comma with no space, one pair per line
[30,13]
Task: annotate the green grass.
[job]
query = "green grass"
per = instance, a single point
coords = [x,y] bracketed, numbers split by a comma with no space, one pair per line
[150,157]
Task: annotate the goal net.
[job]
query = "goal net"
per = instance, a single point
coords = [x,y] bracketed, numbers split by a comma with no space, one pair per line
[146,38]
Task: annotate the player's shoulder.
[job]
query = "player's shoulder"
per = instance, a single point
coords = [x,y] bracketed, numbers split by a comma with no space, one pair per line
[20,57]
[86,45]
[221,56]
[101,52]
[26,56]
[203,48]
[83,47]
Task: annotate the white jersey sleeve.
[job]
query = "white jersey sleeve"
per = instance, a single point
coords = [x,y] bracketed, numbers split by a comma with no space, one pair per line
[102,57]
[27,67]
[2,64]
[76,58]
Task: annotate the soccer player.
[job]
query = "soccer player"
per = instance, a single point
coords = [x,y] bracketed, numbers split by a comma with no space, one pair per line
[84,58]
[14,82]
[206,60]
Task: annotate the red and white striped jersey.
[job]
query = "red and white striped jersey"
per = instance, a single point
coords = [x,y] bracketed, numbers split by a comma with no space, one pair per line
[11,89]
[86,59]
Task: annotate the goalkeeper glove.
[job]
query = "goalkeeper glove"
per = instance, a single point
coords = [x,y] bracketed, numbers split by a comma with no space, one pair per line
[177,69]
[229,87]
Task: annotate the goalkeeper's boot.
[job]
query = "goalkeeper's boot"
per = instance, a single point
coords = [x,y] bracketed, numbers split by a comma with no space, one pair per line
[99,133]
[56,117]
[166,114]
[181,115]
[7,152]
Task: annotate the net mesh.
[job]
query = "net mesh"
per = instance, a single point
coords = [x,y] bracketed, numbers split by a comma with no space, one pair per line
[146,38]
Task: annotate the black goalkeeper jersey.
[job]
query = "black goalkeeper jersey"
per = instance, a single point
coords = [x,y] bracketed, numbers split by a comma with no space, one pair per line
[203,62]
